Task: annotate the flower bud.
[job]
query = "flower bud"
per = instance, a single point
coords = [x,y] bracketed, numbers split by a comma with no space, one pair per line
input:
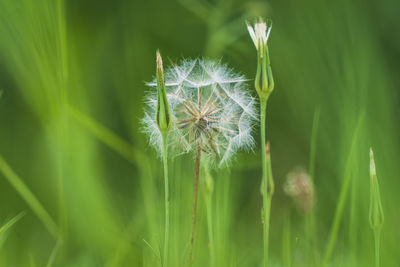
[163,113]
[376,217]
[264,82]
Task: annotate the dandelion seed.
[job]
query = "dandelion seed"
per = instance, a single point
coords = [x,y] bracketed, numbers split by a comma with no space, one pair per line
[210,107]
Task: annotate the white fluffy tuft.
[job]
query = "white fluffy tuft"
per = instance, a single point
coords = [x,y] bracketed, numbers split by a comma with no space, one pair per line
[205,85]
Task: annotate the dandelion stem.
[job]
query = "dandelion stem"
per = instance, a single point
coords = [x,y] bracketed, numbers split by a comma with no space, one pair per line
[166,186]
[195,193]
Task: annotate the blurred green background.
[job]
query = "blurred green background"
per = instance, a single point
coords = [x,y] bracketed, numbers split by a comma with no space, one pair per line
[72,78]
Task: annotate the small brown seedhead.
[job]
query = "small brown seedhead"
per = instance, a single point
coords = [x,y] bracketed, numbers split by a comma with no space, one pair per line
[300,187]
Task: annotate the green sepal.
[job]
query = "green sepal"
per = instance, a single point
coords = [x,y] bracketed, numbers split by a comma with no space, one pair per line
[163,112]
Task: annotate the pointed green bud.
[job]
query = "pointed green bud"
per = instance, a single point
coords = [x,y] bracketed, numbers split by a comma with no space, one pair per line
[376,217]
[264,81]
[163,113]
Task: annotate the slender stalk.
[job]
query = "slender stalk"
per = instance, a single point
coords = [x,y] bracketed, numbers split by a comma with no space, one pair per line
[53,254]
[376,215]
[266,201]
[286,237]
[267,204]
[310,218]
[313,145]
[195,193]
[166,187]
[63,126]
[210,229]
[11,222]
[208,195]
[377,237]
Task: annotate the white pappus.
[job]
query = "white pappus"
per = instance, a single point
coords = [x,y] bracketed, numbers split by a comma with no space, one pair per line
[211,107]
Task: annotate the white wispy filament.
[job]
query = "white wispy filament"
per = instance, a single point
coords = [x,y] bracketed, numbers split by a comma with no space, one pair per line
[210,106]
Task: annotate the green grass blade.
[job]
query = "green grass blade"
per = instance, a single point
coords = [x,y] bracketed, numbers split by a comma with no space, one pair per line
[311,226]
[313,145]
[342,197]
[105,135]
[28,196]
[11,222]
[286,242]
[53,254]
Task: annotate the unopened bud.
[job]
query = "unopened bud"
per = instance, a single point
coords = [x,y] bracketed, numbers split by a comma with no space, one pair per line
[264,82]
[163,113]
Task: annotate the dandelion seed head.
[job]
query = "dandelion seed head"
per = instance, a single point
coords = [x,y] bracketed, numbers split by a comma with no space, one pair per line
[210,107]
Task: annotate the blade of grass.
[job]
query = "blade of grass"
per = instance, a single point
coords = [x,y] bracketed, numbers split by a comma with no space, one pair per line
[11,222]
[156,254]
[354,212]
[53,254]
[313,145]
[286,242]
[106,136]
[342,197]
[28,196]
[310,218]
[134,156]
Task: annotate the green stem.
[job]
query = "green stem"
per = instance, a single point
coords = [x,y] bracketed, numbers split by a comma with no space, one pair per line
[166,186]
[208,197]
[266,201]
[195,193]
[286,247]
[310,219]
[342,197]
[377,235]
